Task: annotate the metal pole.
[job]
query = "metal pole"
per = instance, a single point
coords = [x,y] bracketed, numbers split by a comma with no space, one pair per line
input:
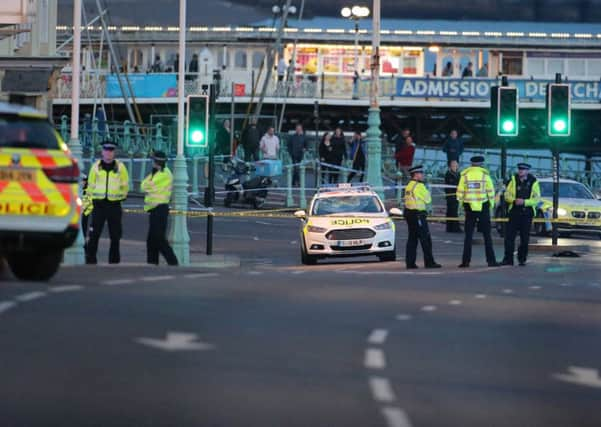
[555,235]
[232,127]
[179,231]
[210,191]
[374,141]
[503,159]
[356,45]
[75,254]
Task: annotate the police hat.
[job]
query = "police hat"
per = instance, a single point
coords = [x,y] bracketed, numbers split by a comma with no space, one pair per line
[159,156]
[416,169]
[109,145]
[477,160]
[524,166]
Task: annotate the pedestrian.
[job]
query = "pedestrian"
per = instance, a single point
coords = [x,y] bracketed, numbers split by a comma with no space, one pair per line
[357,152]
[86,209]
[448,70]
[270,145]
[339,153]
[468,71]
[417,197]
[451,179]
[222,146]
[297,145]
[405,152]
[327,155]
[193,67]
[157,188]
[108,185]
[453,146]
[522,196]
[251,138]
[157,66]
[483,71]
[477,193]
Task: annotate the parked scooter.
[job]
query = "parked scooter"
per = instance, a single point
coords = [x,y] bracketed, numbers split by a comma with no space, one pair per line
[252,191]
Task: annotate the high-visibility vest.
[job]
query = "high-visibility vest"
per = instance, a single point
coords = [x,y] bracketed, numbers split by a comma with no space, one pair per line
[112,186]
[157,188]
[87,206]
[530,192]
[417,196]
[476,188]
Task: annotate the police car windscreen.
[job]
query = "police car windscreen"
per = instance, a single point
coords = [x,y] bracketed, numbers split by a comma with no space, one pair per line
[18,132]
[569,190]
[347,205]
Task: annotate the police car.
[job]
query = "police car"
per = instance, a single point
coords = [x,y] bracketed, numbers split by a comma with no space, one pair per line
[347,220]
[39,204]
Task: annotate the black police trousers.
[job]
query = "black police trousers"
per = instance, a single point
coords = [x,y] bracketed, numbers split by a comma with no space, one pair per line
[111,213]
[520,221]
[452,212]
[156,242]
[483,219]
[417,224]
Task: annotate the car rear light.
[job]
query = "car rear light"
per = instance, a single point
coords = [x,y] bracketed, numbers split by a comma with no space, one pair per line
[66,174]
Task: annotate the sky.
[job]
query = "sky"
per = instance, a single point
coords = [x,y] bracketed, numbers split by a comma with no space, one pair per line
[243,12]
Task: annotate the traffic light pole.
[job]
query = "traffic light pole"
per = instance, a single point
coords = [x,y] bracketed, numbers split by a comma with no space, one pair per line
[210,191]
[555,232]
[504,159]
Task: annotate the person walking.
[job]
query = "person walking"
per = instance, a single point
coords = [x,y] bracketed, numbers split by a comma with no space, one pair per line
[522,196]
[108,185]
[251,139]
[453,146]
[270,145]
[451,179]
[339,150]
[297,145]
[477,193]
[157,188]
[417,197]
[357,152]
[327,155]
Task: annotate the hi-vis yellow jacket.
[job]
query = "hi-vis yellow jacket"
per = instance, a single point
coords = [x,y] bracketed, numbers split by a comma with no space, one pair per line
[157,188]
[417,196]
[530,202]
[476,188]
[112,186]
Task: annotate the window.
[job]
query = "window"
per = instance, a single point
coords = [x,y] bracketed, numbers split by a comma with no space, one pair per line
[220,58]
[26,133]
[258,59]
[566,190]
[555,66]
[240,59]
[512,66]
[594,67]
[576,67]
[347,204]
[536,66]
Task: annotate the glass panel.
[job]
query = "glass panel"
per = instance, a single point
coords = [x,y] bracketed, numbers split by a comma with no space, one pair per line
[240,59]
[594,67]
[576,67]
[257,59]
[554,66]
[536,66]
[512,66]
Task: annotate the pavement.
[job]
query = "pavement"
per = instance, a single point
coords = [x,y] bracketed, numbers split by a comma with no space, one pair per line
[265,341]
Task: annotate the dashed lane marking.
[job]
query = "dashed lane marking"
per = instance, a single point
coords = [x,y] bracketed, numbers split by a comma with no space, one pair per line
[566,285]
[381,390]
[455,302]
[199,275]
[403,317]
[299,272]
[507,291]
[480,296]
[65,288]
[117,282]
[377,336]
[157,278]
[254,273]
[374,359]
[30,296]
[535,288]
[6,305]
[396,417]
[428,308]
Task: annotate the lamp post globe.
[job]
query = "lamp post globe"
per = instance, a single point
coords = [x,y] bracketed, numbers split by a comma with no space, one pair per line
[346,12]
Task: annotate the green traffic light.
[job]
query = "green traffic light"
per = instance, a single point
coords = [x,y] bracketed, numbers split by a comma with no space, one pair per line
[508,126]
[560,125]
[197,136]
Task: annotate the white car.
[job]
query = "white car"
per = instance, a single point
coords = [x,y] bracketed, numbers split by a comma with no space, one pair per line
[347,221]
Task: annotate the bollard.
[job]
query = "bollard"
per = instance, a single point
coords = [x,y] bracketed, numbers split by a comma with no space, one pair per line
[289,197]
[195,176]
[302,196]
[210,232]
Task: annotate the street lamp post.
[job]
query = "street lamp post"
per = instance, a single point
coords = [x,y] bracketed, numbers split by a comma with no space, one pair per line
[356,13]
[374,140]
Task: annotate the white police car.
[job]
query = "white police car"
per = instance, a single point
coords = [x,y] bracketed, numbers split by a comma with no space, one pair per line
[347,220]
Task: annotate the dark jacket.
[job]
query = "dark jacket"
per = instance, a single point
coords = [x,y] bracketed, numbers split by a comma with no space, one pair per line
[451,178]
[296,146]
[357,151]
[339,144]
[223,142]
[453,148]
[327,154]
[251,138]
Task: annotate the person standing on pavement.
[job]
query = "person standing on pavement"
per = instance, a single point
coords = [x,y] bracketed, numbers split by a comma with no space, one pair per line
[297,145]
[327,155]
[223,142]
[157,188]
[477,193]
[405,152]
[417,197]
[357,152]
[453,147]
[522,196]
[251,138]
[108,185]
[270,145]
[451,179]
[339,151]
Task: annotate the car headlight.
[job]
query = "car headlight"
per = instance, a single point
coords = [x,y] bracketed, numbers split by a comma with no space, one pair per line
[385,226]
[561,212]
[314,229]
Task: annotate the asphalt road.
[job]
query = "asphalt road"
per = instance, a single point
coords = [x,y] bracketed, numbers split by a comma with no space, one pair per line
[274,343]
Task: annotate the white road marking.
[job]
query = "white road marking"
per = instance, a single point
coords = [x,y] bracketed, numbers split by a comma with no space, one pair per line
[377,336]
[374,359]
[117,282]
[65,288]
[403,317]
[535,288]
[581,376]
[566,285]
[455,302]
[177,341]
[480,296]
[6,305]
[381,390]
[447,241]
[507,291]
[428,308]
[298,272]
[396,417]
[263,222]
[254,273]
[157,278]
[199,275]
[30,296]
[256,238]
[294,242]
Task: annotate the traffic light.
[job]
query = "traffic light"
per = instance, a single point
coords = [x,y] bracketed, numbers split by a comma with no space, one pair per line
[504,104]
[197,134]
[559,114]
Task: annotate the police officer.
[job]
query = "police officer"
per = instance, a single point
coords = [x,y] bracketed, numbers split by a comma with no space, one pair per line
[108,185]
[522,196]
[417,197]
[157,189]
[477,193]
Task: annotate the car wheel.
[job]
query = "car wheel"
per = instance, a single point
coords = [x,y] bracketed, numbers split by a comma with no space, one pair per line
[37,266]
[388,256]
[258,202]
[307,259]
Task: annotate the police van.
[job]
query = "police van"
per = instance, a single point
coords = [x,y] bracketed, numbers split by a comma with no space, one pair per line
[39,204]
[347,220]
